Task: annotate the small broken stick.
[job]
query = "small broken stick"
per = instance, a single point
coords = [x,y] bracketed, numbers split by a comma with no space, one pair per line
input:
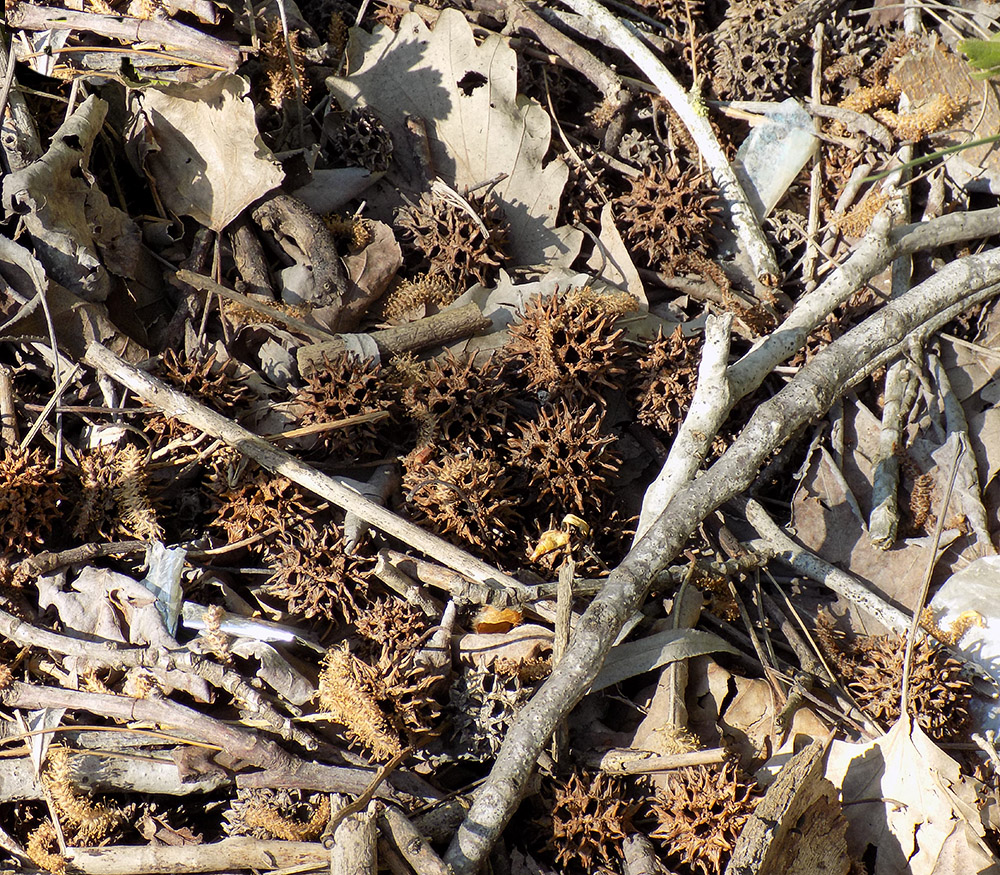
[437,330]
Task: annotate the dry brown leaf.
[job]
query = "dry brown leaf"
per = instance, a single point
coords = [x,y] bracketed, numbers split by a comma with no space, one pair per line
[741,712]
[199,144]
[491,620]
[519,645]
[939,71]
[830,511]
[907,801]
[613,263]
[371,270]
[76,230]
[477,124]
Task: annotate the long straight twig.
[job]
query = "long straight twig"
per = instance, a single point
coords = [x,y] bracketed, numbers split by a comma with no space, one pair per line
[814,388]
[812,566]
[184,408]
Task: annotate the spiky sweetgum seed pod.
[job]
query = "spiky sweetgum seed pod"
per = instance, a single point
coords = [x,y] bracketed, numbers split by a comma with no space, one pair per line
[561,348]
[459,403]
[346,387]
[261,502]
[451,243]
[315,576]
[669,373]
[208,380]
[700,813]
[567,458]
[462,496]
[589,821]
[939,691]
[30,496]
[359,139]
[669,212]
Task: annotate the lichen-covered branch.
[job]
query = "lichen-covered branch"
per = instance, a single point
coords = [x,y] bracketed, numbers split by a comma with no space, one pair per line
[817,385]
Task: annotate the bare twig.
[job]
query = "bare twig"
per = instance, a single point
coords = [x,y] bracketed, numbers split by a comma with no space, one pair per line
[110,654]
[437,330]
[709,408]
[411,843]
[405,586]
[228,855]
[352,851]
[238,743]
[105,772]
[179,37]
[210,286]
[816,172]
[361,802]
[631,761]
[813,389]
[43,563]
[19,140]
[182,407]
[520,17]
[748,230]
[8,413]
[884,519]
[970,490]
[846,586]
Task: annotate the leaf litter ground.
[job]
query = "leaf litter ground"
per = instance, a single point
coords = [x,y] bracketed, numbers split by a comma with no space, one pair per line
[343,350]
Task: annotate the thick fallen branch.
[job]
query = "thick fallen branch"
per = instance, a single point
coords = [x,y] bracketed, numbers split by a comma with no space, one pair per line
[180,406]
[870,257]
[104,772]
[179,38]
[874,343]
